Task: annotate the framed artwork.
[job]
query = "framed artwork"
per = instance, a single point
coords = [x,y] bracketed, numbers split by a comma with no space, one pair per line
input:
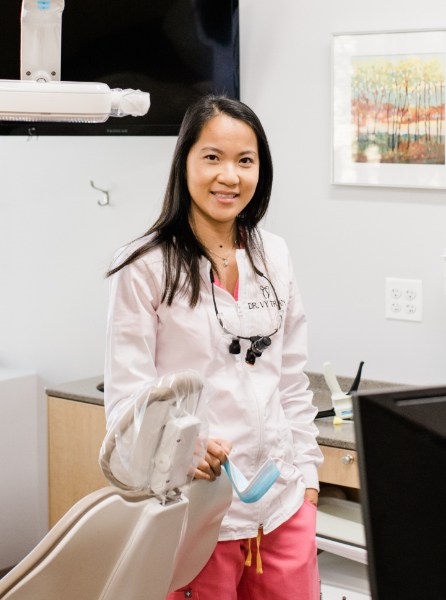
[389,109]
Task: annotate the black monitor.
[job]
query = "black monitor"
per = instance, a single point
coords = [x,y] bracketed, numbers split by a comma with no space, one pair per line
[177,50]
[401,443]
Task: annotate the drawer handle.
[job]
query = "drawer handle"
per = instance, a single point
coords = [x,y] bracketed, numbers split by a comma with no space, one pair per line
[347,459]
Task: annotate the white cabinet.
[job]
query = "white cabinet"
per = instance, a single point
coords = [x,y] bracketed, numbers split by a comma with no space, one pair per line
[23,497]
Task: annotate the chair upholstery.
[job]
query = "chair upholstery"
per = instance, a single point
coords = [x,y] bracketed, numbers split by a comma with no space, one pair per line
[112,546]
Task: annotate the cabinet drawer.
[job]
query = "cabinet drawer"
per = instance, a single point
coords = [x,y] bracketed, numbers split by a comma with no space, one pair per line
[75,434]
[340,467]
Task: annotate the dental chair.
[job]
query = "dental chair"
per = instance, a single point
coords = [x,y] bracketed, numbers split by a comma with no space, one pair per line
[153,529]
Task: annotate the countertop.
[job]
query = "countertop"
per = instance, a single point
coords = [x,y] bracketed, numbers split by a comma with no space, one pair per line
[339,436]
[82,390]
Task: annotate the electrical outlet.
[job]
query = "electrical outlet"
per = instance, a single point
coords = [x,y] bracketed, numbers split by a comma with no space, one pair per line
[404,299]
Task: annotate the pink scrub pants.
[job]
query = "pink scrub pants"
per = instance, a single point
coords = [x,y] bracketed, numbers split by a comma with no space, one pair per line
[287,556]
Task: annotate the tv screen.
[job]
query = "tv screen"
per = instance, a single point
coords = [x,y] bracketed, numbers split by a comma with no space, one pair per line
[177,50]
[401,443]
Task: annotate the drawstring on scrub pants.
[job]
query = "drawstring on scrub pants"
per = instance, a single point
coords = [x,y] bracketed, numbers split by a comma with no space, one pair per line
[248,560]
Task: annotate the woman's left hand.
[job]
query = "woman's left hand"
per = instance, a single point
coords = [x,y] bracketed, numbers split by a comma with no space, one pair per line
[216,454]
[312,495]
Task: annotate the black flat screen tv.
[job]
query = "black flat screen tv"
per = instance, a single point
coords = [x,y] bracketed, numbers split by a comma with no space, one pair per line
[401,443]
[177,50]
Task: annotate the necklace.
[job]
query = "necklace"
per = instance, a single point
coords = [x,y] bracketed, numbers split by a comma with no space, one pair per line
[222,258]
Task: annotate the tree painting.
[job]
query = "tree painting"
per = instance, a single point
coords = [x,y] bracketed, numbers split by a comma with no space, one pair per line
[398,109]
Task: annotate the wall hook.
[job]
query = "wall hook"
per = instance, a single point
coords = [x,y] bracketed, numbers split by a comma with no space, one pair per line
[31,134]
[105,198]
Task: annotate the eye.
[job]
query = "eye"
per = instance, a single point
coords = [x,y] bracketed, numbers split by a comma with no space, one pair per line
[247,160]
[211,157]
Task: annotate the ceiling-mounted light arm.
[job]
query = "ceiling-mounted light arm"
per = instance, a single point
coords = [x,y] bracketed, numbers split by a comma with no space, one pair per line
[40,95]
[41,39]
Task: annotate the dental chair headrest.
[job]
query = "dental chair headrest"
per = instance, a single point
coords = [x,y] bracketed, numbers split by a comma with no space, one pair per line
[157,438]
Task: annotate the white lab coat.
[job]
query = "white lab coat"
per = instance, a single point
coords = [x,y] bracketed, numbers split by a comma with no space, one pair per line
[264,410]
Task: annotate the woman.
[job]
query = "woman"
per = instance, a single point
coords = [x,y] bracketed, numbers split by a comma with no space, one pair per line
[205,289]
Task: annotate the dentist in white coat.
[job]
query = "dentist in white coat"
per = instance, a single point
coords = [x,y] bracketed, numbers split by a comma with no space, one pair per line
[206,289]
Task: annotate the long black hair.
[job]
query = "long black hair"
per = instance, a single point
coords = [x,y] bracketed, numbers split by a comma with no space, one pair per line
[172,230]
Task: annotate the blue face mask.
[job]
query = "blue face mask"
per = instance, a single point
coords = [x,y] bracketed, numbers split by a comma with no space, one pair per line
[251,491]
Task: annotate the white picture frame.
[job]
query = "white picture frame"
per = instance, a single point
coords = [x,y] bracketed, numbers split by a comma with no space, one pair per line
[389,109]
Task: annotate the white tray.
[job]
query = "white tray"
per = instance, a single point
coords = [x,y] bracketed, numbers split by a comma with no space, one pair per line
[341,578]
[340,529]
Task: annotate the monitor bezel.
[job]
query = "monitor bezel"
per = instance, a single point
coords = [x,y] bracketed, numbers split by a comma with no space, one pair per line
[228,84]
[389,400]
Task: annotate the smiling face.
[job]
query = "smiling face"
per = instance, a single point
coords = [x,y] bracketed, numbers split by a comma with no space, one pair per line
[222,171]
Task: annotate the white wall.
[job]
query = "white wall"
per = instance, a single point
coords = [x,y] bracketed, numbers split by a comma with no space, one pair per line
[56,242]
[345,240]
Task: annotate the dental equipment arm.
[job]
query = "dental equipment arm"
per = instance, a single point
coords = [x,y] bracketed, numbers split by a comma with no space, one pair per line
[40,95]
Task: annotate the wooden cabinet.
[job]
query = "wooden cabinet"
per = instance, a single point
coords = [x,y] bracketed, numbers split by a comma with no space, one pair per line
[340,467]
[75,434]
